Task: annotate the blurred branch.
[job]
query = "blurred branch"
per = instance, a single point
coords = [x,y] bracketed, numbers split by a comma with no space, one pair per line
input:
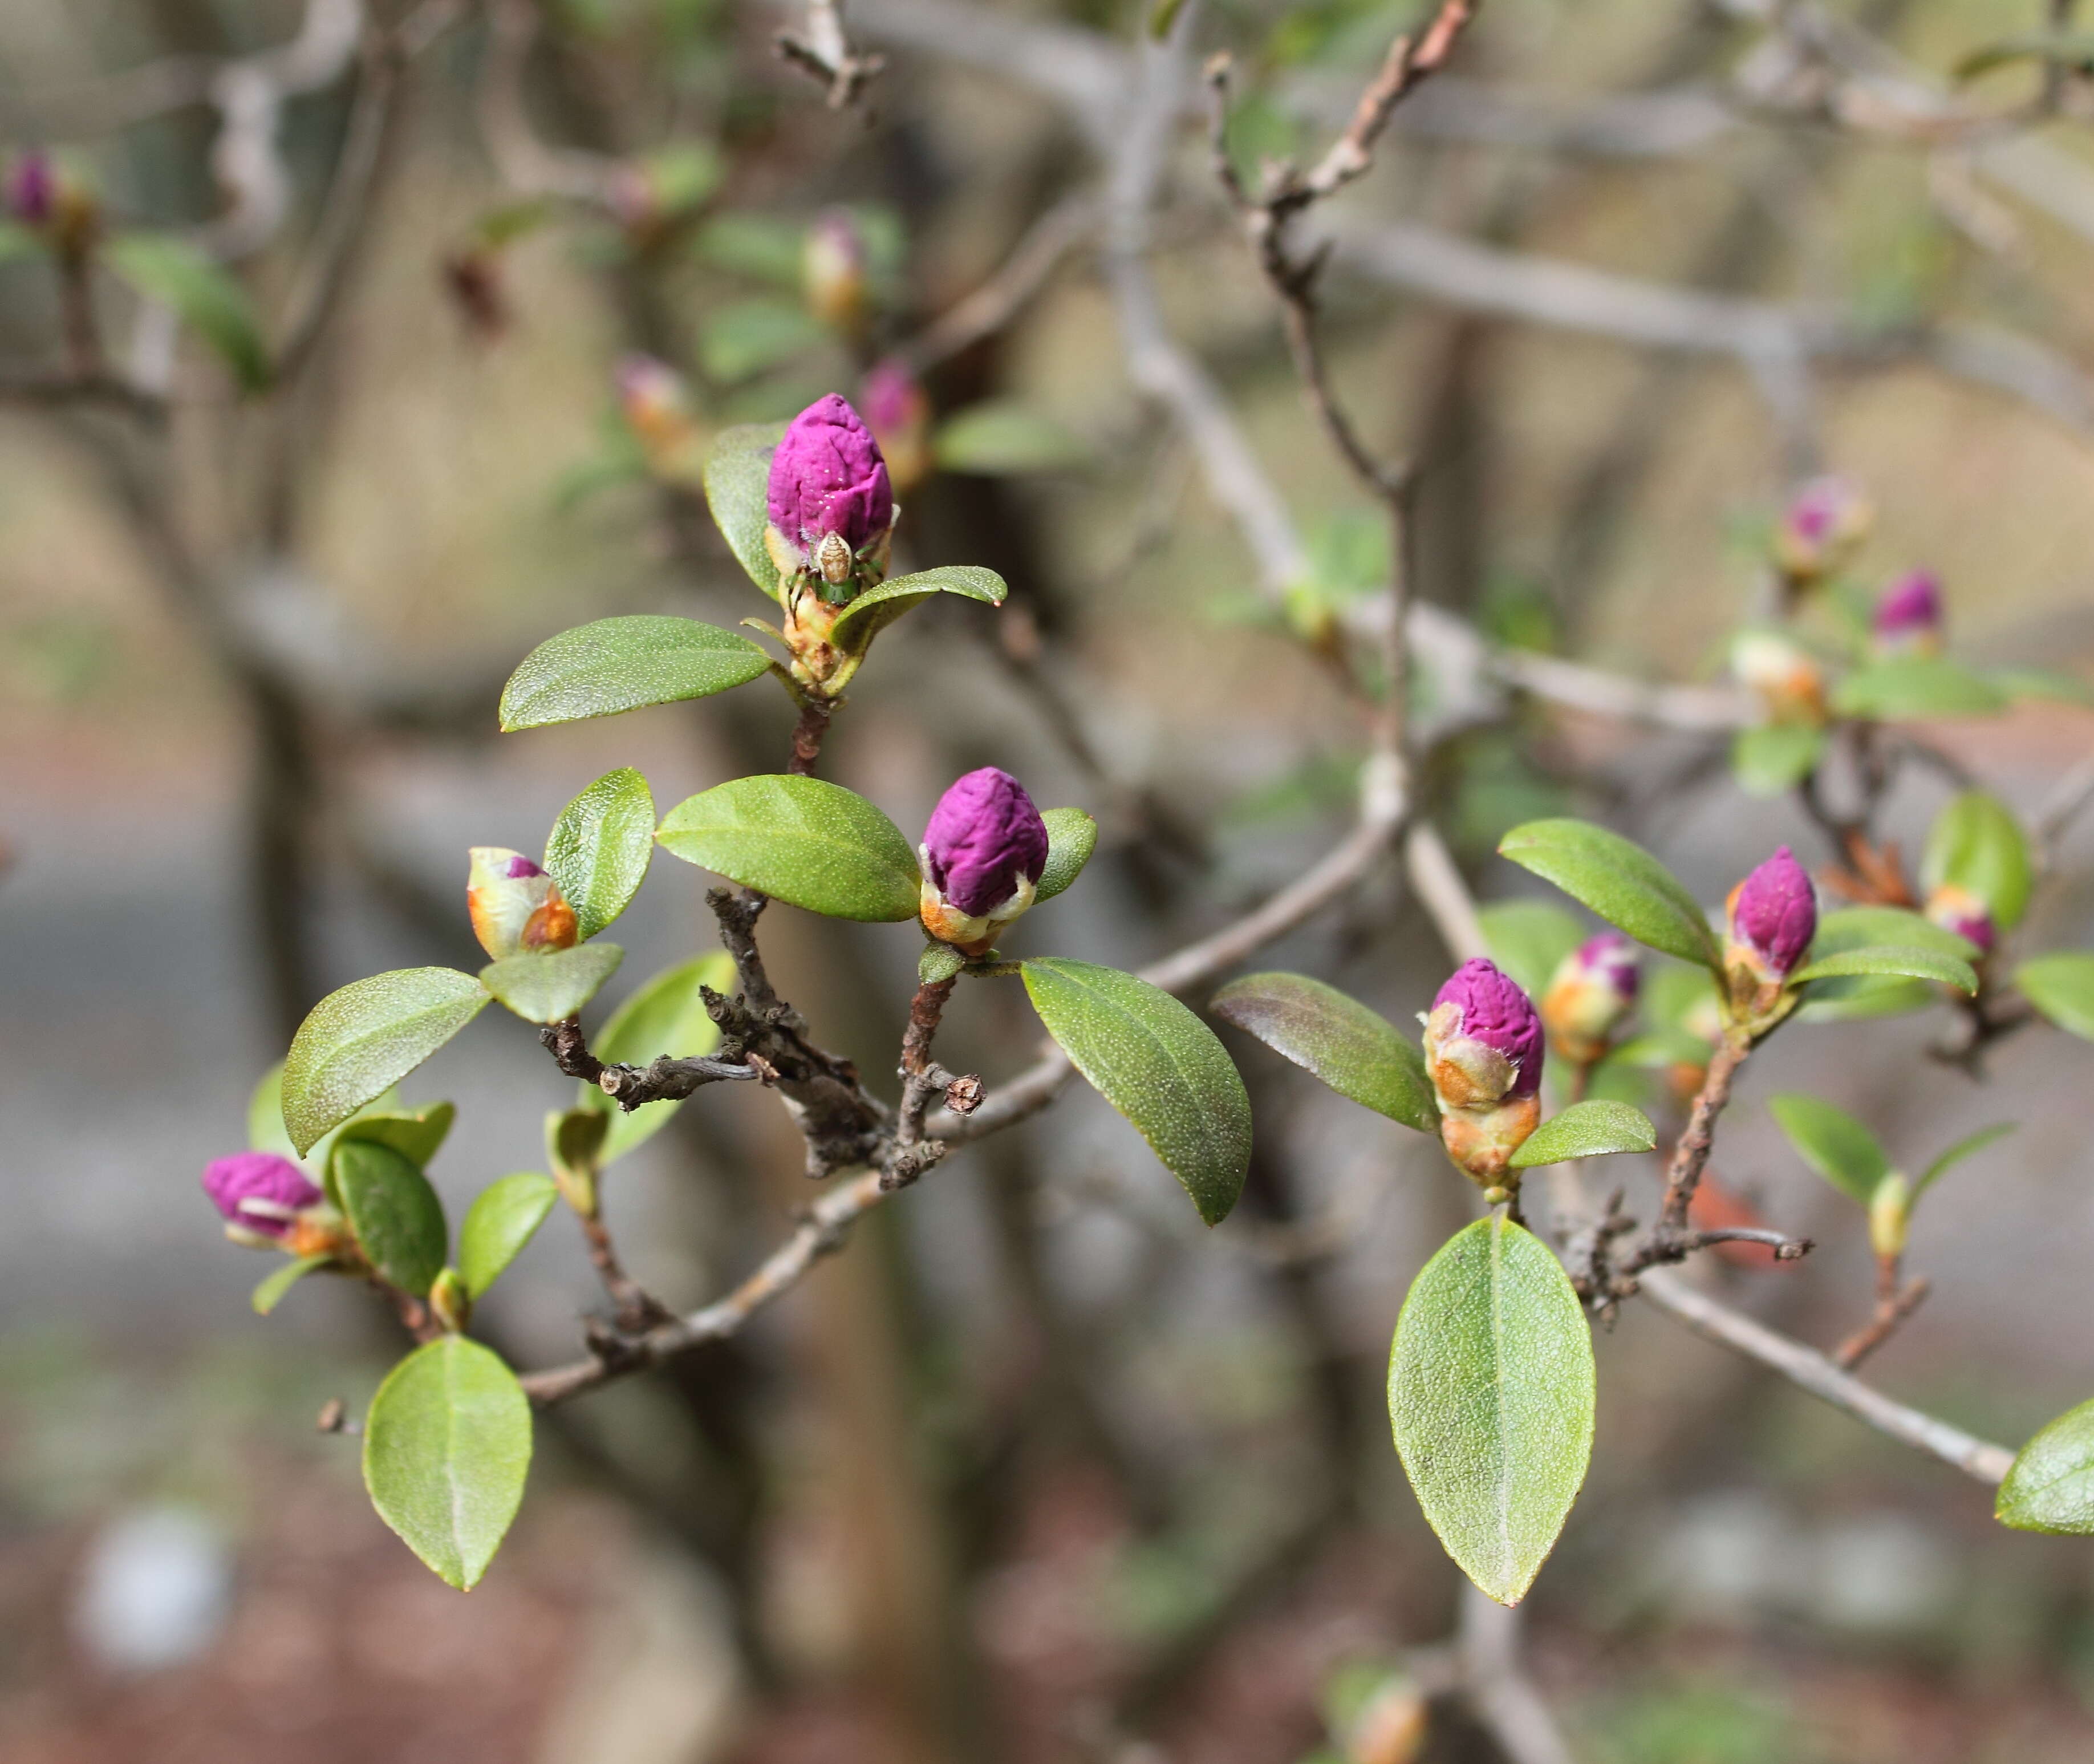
[1020,276]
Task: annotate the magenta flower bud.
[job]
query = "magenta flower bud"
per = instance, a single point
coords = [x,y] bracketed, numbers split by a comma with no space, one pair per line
[983,853]
[832,269]
[258,1193]
[32,191]
[1908,615]
[1774,916]
[1484,1046]
[1593,988]
[1825,520]
[1489,1009]
[830,497]
[899,415]
[1958,909]
[516,909]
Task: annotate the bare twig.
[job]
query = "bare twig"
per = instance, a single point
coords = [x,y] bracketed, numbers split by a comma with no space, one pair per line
[825,52]
[1021,275]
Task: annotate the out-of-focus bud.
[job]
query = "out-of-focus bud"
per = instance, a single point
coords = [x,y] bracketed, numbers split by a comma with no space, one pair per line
[515,905]
[898,413]
[1890,1216]
[830,502]
[1391,1727]
[1783,675]
[32,188]
[1958,909]
[1823,524]
[1483,1049]
[269,1203]
[451,1301]
[982,853]
[832,270]
[41,194]
[1593,988]
[1908,620]
[656,404]
[1774,916]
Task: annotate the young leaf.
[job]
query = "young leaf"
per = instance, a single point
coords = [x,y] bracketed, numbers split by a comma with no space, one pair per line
[356,1042]
[600,846]
[2050,1485]
[626,664]
[397,1218]
[179,275]
[1072,836]
[1976,845]
[416,1134]
[1774,757]
[1357,1052]
[808,843]
[1866,927]
[1911,687]
[1620,881]
[498,1224]
[446,1448]
[1892,959]
[1589,1129]
[1157,1064]
[2062,987]
[667,1015]
[270,1293]
[938,963]
[552,987]
[879,608]
[1962,1150]
[1833,1143]
[737,491]
[1529,940]
[1491,1394]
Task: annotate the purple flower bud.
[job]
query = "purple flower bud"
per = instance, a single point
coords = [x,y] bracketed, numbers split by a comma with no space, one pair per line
[259,1191]
[1773,914]
[1494,1011]
[516,907]
[899,415]
[1958,909]
[828,479]
[833,268]
[32,188]
[1908,612]
[1824,521]
[986,842]
[1610,958]
[656,403]
[1590,991]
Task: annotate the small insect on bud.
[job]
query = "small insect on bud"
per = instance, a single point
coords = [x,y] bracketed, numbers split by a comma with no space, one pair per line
[832,270]
[515,905]
[1774,916]
[268,1203]
[1958,909]
[983,855]
[1783,675]
[898,412]
[1907,620]
[1483,1050]
[833,559]
[1823,524]
[1890,1216]
[829,482]
[1593,988]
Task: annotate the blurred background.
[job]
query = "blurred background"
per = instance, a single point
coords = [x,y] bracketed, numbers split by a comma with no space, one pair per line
[1040,1469]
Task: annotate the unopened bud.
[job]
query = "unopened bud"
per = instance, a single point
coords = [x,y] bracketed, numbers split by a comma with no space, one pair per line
[828,482]
[983,855]
[1907,620]
[32,188]
[1823,524]
[656,404]
[897,411]
[268,1203]
[1958,909]
[1782,674]
[1773,917]
[1890,1216]
[1483,1050]
[1391,1727]
[832,270]
[516,907]
[450,1301]
[1593,988]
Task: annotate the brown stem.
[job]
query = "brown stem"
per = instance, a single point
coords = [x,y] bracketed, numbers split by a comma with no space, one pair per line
[1690,1157]
[807,734]
[634,1307]
[1894,1304]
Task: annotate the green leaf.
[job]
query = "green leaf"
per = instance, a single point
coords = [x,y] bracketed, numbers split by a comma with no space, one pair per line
[667,1015]
[179,275]
[599,848]
[1659,1050]
[1587,1130]
[747,337]
[1620,881]
[613,665]
[1357,1052]
[879,608]
[1007,437]
[801,840]
[1156,1063]
[2062,987]
[414,1133]
[1529,940]
[550,988]
[1859,997]
[498,1224]
[356,1042]
[1163,15]
[270,1293]
[1909,687]
[737,491]
[1072,836]
[1962,1150]
[2050,1485]
[939,962]
[1867,928]
[2072,48]
[1976,845]
[1892,959]
[1772,759]
[1491,1394]
[397,1218]
[2043,684]
[1833,1143]
[17,241]
[446,1448]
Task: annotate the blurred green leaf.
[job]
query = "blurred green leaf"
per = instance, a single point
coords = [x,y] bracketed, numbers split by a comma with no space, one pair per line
[878,608]
[666,1016]
[2062,987]
[2050,1486]
[801,840]
[1833,1143]
[1530,939]
[1859,997]
[1774,758]
[552,986]
[372,1033]
[1163,15]
[599,848]
[2072,49]
[1072,836]
[1620,881]
[737,481]
[682,176]
[499,1224]
[416,1134]
[395,1214]
[1976,845]
[1962,1149]
[179,275]
[1910,687]
[1355,1050]
[749,337]
[1007,437]
[1258,129]
[270,1292]
[17,242]
[1892,959]
[766,248]
[2043,683]
[1864,927]
[1590,1129]
[612,665]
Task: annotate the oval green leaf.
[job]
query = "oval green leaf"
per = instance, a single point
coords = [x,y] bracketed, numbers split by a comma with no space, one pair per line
[800,840]
[446,1448]
[737,489]
[1866,927]
[270,1293]
[1355,1050]
[879,608]
[368,1035]
[1772,759]
[1156,1063]
[1977,845]
[2062,987]
[397,1220]
[599,848]
[552,987]
[498,1224]
[2050,1485]
[1589,1129]
[1072,836]
[1529,940]
[1620,881]
[416,1134]
[1907,959]
[1490,1393]
[1862,996]
[1962,1150]
[1833,1143]
[626,664]
[203,293]
[1912,687]
[667,1015]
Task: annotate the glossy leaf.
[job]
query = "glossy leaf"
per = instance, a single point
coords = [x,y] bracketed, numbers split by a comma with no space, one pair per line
[416,1134]
[1357,1051]
[203,293]
[1967,1147]
[1976,844]
[1833,1143]
[1156,1063]
[551,987]
[2050,1485]
[356,1042]
[270,1292]
[667,1015]
[801,840]
[499,1224]
[1892,959]
[1866,927]
[397,1218]
[1529,940]
[1590,1129]
[614,665]
[2062,987]
[1620,881]
[1774,757]
[446,1448]
[1072,836]
[1491,1394]
[737,484]
[1910,687]
[600,846]
[879,608]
